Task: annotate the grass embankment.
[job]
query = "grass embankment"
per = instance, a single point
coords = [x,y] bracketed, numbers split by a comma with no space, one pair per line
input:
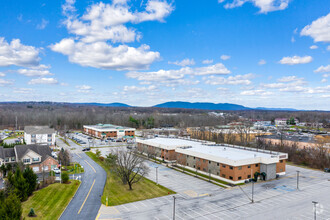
[50,202]
[118,193]
[65,141]
[73,168]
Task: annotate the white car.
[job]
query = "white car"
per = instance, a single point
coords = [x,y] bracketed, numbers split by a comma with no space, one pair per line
[56,170]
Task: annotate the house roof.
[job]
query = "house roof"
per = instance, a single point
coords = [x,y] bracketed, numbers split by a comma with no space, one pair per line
[43,150]
[38,130]
[7,152]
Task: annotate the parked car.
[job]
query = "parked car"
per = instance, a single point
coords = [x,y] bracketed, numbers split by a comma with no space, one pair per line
[86,149]
[327,170]
[56,170]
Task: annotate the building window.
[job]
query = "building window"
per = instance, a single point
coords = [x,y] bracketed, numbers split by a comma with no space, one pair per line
[187,164]
[218,164]
[281,161]
[231,167]
[224,166]
[26,160]
[240,168]
[249,166]
[198,168]
[194,158]
[230,177]
[223,175]
[35,159]
[249,176]
[13,159]
[204,169]
[49,135]
[239,178]
[7,160]
[209,162]
[203,161]
[257,165]
[166,151]
[281,170]
[194,166]
[187,156]
[49,140]
[33,135]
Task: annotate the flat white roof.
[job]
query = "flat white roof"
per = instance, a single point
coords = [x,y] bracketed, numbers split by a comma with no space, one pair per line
[107,127]
[229,154]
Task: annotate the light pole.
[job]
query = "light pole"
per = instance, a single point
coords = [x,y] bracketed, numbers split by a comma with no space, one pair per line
[174,207]
[252,191]
[298,180]
[156,175]
[315,203]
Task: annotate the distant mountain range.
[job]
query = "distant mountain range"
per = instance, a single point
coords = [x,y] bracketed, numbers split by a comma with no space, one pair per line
[183,105]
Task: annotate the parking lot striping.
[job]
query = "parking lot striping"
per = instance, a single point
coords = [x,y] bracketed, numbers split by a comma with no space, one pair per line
[86,197]
[90,166]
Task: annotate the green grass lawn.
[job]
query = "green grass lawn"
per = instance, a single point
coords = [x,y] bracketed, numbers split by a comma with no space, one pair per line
[50,202]
[72,169]
[65,141]
[118,193]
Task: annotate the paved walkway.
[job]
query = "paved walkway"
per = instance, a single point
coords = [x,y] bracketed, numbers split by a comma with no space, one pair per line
[277,199]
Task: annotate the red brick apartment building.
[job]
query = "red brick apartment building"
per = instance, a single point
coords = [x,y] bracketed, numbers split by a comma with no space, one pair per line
[108,130]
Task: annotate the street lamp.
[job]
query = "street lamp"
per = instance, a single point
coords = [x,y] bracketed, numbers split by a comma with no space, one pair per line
[174,207]
[156,175]
[298,179]
[315,203]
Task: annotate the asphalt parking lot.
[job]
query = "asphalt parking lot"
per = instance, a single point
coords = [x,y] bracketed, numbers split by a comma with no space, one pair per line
[198,199]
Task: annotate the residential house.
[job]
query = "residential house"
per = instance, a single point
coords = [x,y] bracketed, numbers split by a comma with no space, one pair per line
[39,135]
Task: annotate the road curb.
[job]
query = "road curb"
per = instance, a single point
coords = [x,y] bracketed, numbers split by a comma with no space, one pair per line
[70,199]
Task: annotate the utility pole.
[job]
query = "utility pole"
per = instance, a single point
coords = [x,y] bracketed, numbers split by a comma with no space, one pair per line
[252,191]
[156,175]
[315,203]
[16,122]
[174,207]
[298,180]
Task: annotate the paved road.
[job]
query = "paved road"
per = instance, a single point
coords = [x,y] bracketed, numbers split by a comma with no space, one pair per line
[87,201]
[277,199]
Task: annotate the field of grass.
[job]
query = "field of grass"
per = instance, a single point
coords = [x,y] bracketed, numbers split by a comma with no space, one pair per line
[50,202]
[118,193]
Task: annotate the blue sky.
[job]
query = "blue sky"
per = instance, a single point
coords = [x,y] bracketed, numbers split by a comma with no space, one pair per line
[270,53]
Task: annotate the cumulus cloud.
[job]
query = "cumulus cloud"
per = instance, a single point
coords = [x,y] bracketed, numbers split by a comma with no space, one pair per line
[296,60]
[264,5]
[4,82]
[319,30]
[184,62]
[41,70]
[262,62]
[15,53]
[323,69]
[324,80]
[231,80]
[84,88]
[137,89]
[289,79]
[313,47]
[47,81]
[225,57]
[207,61]
[104,56]
[106,22]
[257,92]
[2,74]
[23,90]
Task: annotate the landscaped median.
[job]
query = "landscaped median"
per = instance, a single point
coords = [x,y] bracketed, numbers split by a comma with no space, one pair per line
[50,202]
[118,194]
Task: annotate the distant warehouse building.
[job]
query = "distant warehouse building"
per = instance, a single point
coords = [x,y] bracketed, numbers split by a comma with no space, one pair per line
[230,163]
[108,130]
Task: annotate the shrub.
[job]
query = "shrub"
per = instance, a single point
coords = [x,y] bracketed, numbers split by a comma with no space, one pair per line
[101,158]
[31,213]
[65,177]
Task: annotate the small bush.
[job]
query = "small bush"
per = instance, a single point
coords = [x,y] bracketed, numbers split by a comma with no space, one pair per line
[65,177]
[31,213]
[101,158]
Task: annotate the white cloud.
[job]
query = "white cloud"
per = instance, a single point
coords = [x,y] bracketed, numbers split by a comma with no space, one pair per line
[43,24]
[231,80]
[184,62]
[137,89]
[264,5]
[328,48]
[23,90]
[296,60]
[4,82]
[319,30]
[104,56]
[257,92]
[323,69]
[313,47]
[324,80]
[289,79]
[15,53]
[41,70]
[262,62]
[225,57]
[84,88]
[48,81]
[106,22]
[2,74]
[207,61]
[326,75]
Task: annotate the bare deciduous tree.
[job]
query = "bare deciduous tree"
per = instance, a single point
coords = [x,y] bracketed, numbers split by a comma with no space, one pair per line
[130,167]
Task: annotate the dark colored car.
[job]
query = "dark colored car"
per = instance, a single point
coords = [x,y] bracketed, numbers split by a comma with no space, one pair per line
[327,170]
[86,149]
